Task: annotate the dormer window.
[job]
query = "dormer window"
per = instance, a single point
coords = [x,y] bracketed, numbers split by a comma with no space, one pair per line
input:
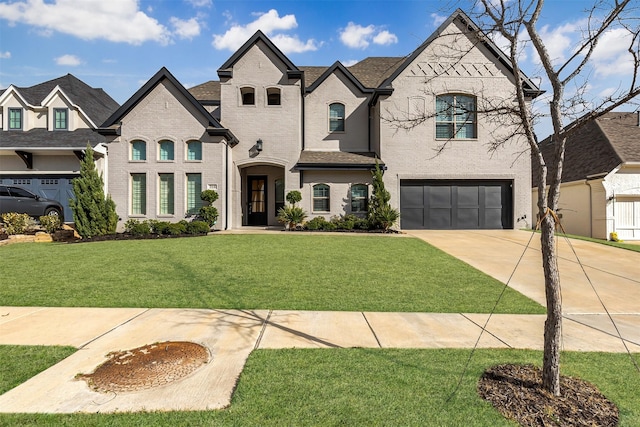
[15,118]
[273,96]
[248,95]
[60,119]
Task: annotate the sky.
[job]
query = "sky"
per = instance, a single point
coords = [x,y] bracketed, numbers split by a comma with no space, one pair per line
[118,45]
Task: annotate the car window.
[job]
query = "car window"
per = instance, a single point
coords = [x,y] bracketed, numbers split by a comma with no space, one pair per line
[4,191]
[20,192]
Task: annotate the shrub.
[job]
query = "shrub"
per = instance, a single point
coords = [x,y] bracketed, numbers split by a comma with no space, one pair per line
[93,214]
[15,223]
[209,196]
[317,223]
[175,228]
[387,217]
[209,214]
[294,197]
[291,216]
[345,222]
[137,228]
[198,227]
[380,213]
[50,223]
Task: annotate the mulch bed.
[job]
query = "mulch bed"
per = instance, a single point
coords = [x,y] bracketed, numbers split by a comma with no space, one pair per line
[146,367]
[516,391]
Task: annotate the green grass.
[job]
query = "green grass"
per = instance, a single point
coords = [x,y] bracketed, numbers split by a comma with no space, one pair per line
[19,363]
[280,271]
[621,245]
[365,387]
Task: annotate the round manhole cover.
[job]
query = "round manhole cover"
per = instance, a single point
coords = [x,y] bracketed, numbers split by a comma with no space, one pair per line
[145,367]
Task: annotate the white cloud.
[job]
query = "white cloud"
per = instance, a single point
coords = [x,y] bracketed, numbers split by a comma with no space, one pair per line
[560,41]
[611,56]
[116,21]
[356,36]
[68,60]
[385,38]
[270,23]
[200,3]
[349,62]
[5,55]
[185,29]
[438,19]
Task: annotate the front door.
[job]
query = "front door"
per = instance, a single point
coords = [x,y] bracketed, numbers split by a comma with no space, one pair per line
[257,200]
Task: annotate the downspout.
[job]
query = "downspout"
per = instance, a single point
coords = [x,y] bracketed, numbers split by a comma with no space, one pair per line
[302,110]
[226,184]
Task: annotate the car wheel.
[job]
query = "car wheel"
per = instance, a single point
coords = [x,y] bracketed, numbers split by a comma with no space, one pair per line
[52,212]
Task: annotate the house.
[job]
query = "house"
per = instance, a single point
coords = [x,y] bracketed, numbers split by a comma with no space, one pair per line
[44,130]
[268,126]
[600,189]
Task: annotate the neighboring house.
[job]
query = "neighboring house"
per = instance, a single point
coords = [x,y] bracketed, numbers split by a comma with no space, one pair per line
[600,190]
[44,130]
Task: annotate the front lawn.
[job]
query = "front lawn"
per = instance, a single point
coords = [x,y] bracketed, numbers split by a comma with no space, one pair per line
[276,271]
[366,387]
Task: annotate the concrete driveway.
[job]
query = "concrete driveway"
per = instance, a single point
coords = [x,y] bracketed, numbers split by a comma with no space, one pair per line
[595,278]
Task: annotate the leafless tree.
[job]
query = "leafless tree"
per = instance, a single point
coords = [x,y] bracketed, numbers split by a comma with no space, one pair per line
[569,108]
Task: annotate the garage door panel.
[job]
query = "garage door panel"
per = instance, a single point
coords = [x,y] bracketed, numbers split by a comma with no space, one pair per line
[456,204]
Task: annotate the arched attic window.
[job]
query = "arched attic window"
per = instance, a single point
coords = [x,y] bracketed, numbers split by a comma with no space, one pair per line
[248,95]
[273,96]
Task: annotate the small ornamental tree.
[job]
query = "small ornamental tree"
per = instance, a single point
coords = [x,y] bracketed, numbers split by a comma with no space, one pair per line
[209,213]
[93,213]
[380,213]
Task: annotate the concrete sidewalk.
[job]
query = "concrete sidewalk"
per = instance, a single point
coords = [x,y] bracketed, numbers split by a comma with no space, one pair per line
[231,335]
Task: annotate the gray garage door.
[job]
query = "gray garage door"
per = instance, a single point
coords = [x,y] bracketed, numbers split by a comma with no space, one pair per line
[56,187]
[450,205]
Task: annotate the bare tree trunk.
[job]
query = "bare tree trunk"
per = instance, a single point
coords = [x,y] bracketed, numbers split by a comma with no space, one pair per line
[553,324]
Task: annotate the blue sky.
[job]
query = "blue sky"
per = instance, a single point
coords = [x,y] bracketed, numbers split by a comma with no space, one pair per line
[119,44]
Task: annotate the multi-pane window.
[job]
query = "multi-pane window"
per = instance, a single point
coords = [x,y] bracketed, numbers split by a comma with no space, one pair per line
[165,190]
[359,197]
[248,95]
[273,96]
[336,117]
[194,188]
[60,119]
[138,194]
[194,150]
[15,118]
[166,150]
[138,150]
[455,116]
[321,200]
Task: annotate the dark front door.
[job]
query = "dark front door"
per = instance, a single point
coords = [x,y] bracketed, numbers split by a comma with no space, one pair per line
[257,200]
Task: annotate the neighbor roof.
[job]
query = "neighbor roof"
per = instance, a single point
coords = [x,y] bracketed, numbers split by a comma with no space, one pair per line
[207,93]
[42,138]
[95,102]
[598,146]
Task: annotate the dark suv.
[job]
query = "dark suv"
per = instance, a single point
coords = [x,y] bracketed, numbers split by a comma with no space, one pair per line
[17,199]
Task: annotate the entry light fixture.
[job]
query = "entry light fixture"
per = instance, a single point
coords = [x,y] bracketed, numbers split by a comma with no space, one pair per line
[259,145]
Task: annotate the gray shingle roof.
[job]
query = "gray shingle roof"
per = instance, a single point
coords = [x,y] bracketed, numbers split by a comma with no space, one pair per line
[42,138]
[209,91]
[336,160]
[598,147]
[96,103]
[372,71]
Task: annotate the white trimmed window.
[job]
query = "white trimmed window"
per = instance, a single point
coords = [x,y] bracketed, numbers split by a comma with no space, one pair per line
[455,117]
[15,118]
[359,198]
[165,189]
[336,117]
[166,151]
[60,119]
[321,200]
[194,150]
[138,194]
[194,188]
[138,150]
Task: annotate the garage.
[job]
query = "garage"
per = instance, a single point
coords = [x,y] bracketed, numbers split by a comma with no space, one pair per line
[55,187]
[453,205]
